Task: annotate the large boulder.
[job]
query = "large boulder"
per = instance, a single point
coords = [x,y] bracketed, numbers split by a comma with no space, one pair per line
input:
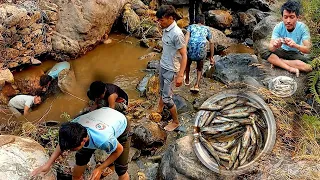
[259,15]
[85,22]
[248,21]
[180,162]
[20,156]
[237,68]
[130,19]
[5,76]
[28,82]
[262,31]
[221,41]
[148,136]
[219,19]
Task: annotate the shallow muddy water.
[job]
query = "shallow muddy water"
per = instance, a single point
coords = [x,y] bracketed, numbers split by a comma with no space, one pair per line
[116,62]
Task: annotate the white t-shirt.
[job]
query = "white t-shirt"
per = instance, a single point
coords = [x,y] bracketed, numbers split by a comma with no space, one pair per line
[20,101]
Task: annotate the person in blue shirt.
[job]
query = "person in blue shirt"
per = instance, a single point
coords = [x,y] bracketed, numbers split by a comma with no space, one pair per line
[105,129]
[47,79]
[196,38]
[290,41]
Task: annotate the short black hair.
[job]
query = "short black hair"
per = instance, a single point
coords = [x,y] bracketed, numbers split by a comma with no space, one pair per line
[71,135]
[45,79]
[167,11]
[291,6]
[200,19]
[97,88]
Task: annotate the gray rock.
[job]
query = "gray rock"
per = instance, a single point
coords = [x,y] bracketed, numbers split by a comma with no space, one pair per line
[259,15]
[182,104]
[234,67]
[180,162]
[142,86]
[260,4]
[19,156]
[152,171]
[153,65]
[264,28]
[148,136]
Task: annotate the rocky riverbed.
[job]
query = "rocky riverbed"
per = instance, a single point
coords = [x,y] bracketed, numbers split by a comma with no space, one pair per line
[69,29]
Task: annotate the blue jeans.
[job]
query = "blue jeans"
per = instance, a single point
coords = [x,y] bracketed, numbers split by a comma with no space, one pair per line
[166,84]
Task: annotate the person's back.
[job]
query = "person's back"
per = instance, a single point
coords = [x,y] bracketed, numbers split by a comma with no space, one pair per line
[103,130]
[20,101]
[199,35]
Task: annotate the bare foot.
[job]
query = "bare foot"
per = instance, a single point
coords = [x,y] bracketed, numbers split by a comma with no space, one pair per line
[295,71]
[171,126]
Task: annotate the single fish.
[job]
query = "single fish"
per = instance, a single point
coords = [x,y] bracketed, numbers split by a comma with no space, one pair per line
[233,156]
[237,110]
[252,104]
[245,142]
[230,106]
[253,136]
[236,164]
[211,108]
[219,120]
[210,118]
[236,132]
[241,101]
[231,144]
[219,128]
[249,153]
[244,121]
[224,156]
[220,149]
[237,115]
[204,118]
[210,149]
[226,101]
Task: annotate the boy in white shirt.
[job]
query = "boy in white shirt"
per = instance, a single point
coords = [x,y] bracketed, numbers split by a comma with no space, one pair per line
[22,104]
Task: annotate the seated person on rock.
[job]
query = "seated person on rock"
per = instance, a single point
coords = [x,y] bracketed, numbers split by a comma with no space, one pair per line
[105,129]
[107,95]
[196,39]
[290,41]
[47,79]
[21,104]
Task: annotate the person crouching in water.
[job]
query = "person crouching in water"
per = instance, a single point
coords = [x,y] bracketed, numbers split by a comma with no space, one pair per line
[21,104]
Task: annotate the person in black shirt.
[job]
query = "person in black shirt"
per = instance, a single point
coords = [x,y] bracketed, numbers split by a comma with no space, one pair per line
[107,95]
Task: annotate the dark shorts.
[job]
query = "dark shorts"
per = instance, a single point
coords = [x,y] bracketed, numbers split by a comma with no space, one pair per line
[199,64]
[121,163]
[287,55]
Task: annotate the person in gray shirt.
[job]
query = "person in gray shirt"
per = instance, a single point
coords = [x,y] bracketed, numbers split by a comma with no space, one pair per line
[173,61]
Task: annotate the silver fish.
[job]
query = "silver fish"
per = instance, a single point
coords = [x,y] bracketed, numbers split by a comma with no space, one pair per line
[210,118]
[226,101]
[219,128]
[237,115]
[245,142]
[204,118]
[210,149]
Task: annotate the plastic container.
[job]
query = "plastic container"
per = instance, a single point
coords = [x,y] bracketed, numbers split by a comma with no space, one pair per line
[206,159]
[282,78]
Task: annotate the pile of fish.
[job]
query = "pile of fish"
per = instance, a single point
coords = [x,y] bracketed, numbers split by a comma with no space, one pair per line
[233,131]
[283,86]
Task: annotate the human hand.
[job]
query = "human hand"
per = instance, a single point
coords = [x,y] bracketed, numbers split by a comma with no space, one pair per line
[96,174]
[289,42]
[179,80]
[42,169]
[212,62]
[277,43]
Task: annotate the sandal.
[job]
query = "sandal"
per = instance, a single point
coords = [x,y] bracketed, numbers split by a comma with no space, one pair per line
[194,90]
[184,80]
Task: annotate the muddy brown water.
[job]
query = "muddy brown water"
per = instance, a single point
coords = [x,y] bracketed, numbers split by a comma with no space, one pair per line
[116,62]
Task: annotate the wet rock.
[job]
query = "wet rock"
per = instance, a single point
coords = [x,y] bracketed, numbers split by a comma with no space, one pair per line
[264,28]
[29,82]
[235,67]
[262,31]
[260,4]
[152,171]
[221,41]
[153,88]
[134,154]
[8,90]
[153,65]
[5,76]
[259,15]
[148,29]
[181,103]
[130,19]
[175,2]
[219,19]
[142,86]
[148,136]
[83,24]
[248,21]
[67,81]
[19,156]
[145,43]
[180,162]
[64,44]
[100,155]
[138,4]
[183,23]
[248,42]
[158,48]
